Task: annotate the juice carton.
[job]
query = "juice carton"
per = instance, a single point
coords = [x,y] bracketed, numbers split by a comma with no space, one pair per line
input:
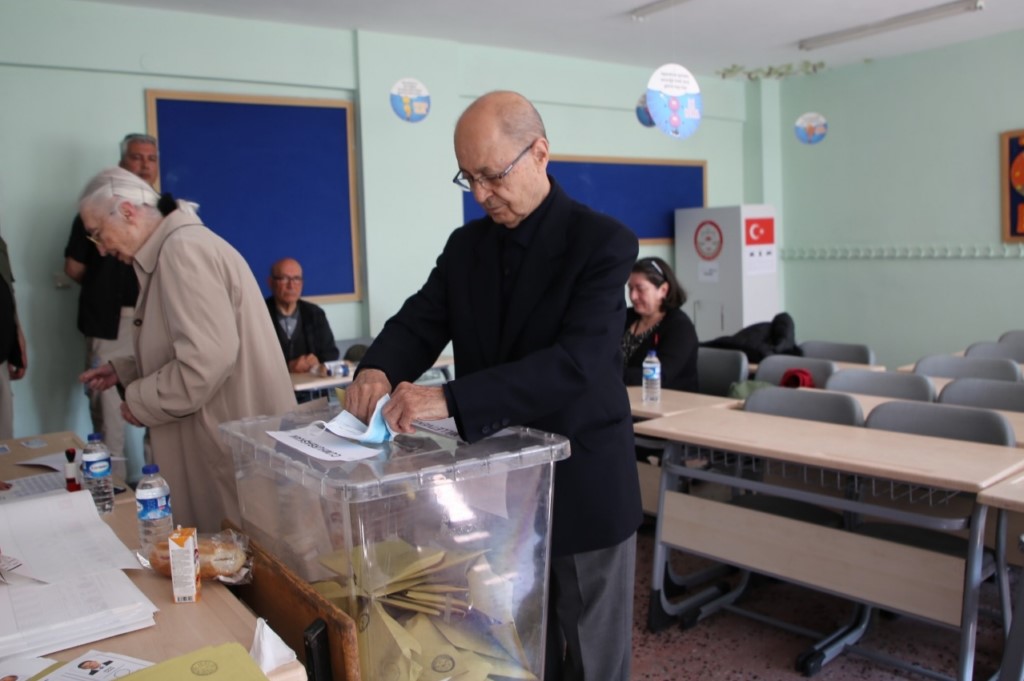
[183,550]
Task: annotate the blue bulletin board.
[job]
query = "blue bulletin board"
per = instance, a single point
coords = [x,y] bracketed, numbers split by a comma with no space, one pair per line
[273,176]
[641,193]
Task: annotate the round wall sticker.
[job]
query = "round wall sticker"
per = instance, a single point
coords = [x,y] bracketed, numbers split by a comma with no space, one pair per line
[811,128]
[642,114]
[673,99]
[707,239]
[410,100]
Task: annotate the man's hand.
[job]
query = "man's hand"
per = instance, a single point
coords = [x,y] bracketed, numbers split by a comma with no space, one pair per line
[410,402]
[361,397]
[128,416]
[100,378]
[14,372]
[302,365]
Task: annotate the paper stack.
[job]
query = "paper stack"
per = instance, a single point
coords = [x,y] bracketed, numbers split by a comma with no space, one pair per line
[70,588]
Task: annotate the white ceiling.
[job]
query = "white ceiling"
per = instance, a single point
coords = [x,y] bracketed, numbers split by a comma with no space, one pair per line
[703,35]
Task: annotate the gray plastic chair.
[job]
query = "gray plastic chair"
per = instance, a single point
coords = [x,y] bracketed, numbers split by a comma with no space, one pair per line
[896,384]
[771,368]
[839,352]
[953,366]
[347,343]
[814,405]
[943,420]
[718,369]
[985,393]
[1014,351]
[1015,336]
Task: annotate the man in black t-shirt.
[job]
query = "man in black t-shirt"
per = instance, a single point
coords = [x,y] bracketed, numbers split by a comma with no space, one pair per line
[13,355]
[106,303]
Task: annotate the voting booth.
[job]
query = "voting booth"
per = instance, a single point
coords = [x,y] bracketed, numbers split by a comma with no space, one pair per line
[437,549]
[727,261]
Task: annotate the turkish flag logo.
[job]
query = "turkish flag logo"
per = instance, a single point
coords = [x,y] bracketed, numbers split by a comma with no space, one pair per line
[760,231]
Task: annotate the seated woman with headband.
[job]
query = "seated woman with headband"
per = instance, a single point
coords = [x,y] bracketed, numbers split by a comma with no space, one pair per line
[656,322]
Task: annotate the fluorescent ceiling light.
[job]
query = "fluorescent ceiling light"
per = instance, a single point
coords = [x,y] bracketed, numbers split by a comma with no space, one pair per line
[641,13]
[902,21]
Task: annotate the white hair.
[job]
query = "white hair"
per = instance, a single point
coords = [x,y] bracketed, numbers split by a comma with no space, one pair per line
[112,185]
[117,183]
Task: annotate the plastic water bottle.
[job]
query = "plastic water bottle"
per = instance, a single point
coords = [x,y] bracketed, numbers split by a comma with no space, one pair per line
[153,507]
[96,473]
[652,377]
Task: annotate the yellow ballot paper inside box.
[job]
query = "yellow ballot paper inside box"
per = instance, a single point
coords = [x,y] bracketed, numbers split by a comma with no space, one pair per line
[440,659]
[386,648]
[227,662]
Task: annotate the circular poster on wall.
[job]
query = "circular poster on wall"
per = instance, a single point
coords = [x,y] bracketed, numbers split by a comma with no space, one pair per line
[811,128]
[642,114]
[673,100]
[410,100]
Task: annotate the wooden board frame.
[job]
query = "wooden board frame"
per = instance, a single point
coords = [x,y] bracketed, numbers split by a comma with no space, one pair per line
[275,176]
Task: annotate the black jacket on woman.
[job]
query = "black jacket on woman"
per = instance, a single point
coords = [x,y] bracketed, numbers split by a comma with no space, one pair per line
[675,341]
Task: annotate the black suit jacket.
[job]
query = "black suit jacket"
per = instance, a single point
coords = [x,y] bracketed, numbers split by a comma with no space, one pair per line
[554,363]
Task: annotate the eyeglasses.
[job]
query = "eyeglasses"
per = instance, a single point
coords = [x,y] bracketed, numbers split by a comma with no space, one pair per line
[96,235]
[465,181]
[289,280]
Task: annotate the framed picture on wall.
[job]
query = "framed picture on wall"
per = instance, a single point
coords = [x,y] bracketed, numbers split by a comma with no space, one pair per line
[1011,172]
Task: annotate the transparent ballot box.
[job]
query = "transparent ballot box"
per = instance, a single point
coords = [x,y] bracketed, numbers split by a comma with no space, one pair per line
[437,549]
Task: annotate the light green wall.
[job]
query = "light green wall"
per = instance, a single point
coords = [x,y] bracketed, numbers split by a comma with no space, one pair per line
[890,227]
[892,223]
[73,76]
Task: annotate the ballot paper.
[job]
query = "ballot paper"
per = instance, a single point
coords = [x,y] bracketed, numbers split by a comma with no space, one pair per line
[95,665]
[69,589]
[24,667]
[226,662]
[44,533]
[37,619]
[43,483]
[314,441]
[348,426]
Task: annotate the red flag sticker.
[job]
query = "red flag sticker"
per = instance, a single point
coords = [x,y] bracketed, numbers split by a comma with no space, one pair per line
[760,231]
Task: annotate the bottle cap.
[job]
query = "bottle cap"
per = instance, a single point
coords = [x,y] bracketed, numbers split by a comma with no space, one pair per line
[95,437]
[150,469]
[651,353]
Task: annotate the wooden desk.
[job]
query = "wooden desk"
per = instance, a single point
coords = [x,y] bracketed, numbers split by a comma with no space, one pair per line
[869,402]
[53,442]
[217,618]
[671,402]
[309,381]
[940,588]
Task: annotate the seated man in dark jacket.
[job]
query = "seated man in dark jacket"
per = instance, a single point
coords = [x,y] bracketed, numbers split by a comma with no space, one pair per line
[302,327]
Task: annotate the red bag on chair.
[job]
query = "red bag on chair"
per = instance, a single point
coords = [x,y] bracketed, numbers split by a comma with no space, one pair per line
[797,378]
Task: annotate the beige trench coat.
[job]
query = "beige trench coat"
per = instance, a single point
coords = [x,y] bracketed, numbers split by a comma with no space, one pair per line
[205,353]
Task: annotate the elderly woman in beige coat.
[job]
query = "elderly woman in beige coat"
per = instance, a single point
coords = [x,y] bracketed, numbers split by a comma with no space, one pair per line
[205,350]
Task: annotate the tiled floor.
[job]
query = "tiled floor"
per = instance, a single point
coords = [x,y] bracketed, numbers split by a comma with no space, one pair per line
[732,647]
